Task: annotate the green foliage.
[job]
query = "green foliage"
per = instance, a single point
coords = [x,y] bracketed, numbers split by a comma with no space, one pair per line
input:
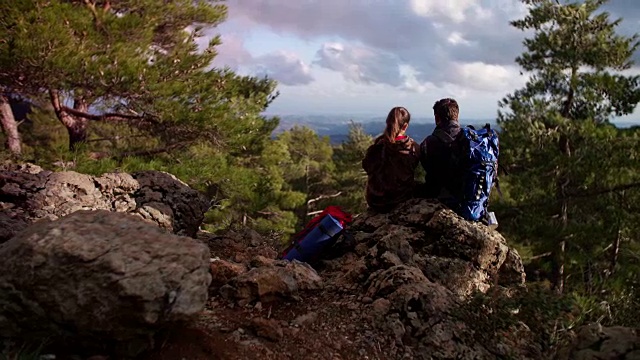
[573,177]
[533,316]
[557,132]
[307,168]
[571,56]
[350,177]
[134,63]
[25,351]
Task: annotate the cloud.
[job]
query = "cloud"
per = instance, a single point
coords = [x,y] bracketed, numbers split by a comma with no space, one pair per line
[232,52]
[454,10]
[461,48]
[432,36]
[286,68]
[487,77]
[377,37]
[360,64]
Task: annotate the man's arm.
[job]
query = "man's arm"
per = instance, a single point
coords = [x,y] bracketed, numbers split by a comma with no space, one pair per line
[423,154]
[428,159]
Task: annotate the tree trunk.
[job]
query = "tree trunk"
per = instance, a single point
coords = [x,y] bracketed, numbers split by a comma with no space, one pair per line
[559,252]
[76,126]
[615,249]
[9,127]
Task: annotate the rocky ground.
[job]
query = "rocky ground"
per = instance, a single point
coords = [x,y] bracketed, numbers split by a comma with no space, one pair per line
[372,301]
[100,268]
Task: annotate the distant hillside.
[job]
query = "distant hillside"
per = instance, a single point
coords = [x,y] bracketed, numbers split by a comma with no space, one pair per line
[337,128]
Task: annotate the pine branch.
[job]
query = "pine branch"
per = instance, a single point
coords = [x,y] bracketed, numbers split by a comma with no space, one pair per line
[103,117]
[155,151]
[117,137]
[578,195]
[604,191]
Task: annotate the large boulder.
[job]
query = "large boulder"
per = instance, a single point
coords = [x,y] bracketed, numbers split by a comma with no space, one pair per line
[100,280]
[418,265]
[270,280]
[460,255]
[28,193]
[595,342]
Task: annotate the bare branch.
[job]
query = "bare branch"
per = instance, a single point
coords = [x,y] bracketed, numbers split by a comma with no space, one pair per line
[324,197]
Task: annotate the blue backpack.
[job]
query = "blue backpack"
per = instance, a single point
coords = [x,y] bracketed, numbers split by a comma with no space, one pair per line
[474,166]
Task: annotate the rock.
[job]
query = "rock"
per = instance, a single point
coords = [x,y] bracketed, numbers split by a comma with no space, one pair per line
[381,307]
[422,261]
[181,207]
[597,342]
[408,290]
[306,319]
[99,279]
[261,261]
[28,194]
[512,270]
[279,280]
[267,328]
[460,255]
[223,271]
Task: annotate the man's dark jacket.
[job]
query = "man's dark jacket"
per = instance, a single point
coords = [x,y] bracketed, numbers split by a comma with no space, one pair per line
[434,157]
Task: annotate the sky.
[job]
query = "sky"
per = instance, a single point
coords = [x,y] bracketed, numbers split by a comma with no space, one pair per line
[363,57]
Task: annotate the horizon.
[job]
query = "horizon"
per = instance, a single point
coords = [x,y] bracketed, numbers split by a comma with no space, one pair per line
[365,118]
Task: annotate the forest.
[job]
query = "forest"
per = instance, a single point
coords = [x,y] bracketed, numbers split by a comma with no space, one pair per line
[122,86]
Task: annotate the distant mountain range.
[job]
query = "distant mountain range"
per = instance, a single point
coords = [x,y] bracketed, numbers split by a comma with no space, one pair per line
[337,127]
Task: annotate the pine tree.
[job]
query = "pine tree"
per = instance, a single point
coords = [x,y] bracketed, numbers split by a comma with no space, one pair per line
[134,63]
[310,169]
[555,129]
[351,178]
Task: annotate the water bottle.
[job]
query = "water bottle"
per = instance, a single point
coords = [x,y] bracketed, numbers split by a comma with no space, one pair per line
[492,222]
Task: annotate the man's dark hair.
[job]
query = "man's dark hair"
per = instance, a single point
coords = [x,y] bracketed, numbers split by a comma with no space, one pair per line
[446,110]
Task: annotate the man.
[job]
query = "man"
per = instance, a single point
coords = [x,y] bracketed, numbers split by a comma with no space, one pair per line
[435,152]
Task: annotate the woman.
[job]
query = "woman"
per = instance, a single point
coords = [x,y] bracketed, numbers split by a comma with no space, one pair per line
[390,164]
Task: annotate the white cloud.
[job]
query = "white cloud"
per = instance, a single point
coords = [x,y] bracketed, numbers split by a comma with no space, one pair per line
[465,48]
[456,38]
[487,77]
[285,67]
[360,64]
[232,52]
[454,10]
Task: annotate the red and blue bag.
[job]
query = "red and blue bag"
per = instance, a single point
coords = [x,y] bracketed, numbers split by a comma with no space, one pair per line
[320,233]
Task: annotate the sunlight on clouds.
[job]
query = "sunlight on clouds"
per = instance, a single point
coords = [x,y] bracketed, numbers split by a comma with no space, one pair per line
[411,82]
[367,51]
[453,9]
[359,64]
[482,76]
[285,67]
[456,38]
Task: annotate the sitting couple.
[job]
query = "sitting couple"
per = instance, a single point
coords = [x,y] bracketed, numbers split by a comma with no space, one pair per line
[391,161]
